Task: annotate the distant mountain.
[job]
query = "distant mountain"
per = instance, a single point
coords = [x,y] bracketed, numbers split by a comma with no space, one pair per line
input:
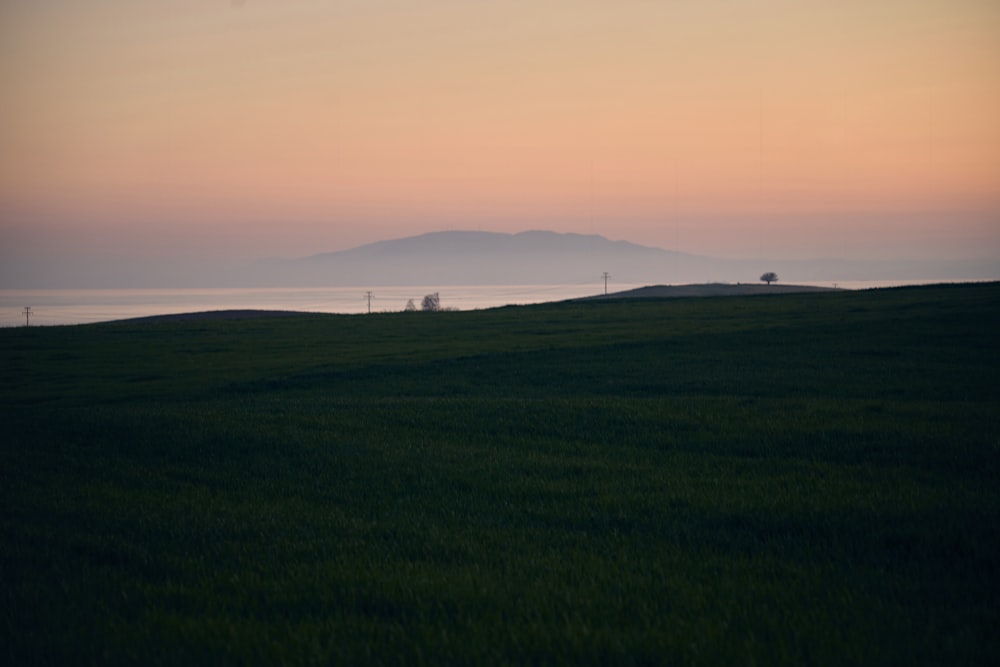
[473,257]
[541,257]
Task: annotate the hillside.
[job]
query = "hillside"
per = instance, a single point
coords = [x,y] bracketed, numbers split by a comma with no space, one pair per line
[710,289]
[808,479]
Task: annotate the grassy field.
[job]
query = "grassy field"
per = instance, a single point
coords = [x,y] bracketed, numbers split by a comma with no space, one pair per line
[788,479]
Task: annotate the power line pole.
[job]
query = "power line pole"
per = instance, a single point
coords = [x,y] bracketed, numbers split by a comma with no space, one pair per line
[369,295]
[606,275]
[27,316]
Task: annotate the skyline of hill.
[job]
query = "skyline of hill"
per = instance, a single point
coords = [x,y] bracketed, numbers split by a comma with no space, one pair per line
[483,258]
[479,257]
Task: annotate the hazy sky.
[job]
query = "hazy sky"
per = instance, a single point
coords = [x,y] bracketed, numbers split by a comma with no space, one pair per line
[155,129]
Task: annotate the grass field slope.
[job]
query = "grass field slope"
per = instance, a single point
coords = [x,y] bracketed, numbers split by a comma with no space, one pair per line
[777,480]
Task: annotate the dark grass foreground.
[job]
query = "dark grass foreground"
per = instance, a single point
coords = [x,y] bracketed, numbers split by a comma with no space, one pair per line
[796,479]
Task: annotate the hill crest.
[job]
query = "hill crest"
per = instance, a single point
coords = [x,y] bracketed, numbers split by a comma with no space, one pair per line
[543,257]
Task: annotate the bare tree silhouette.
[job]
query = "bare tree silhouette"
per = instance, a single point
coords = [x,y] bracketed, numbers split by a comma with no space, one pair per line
[431,302]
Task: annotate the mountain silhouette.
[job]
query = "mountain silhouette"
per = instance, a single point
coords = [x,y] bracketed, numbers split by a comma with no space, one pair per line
[544,257]
[475,257]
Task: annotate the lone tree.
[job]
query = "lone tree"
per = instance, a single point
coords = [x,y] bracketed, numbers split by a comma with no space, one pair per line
[770,277]
[431,302]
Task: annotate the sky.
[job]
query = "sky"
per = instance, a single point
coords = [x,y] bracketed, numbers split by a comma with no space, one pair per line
[143,133]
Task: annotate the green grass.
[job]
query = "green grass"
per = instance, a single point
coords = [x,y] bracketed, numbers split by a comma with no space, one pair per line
[794,479]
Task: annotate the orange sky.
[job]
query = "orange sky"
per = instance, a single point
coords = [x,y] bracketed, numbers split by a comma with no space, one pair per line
[784,128]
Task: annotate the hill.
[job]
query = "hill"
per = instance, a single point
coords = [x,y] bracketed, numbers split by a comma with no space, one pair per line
[542,257]
[805,479]
[480,258]
[473,258]
[710,289]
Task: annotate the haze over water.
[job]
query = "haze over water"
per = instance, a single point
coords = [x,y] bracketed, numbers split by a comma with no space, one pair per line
[63,307]
[86,306]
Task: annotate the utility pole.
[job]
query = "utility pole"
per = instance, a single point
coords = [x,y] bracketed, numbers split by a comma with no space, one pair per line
[369,295]
[606,275]
[27,316]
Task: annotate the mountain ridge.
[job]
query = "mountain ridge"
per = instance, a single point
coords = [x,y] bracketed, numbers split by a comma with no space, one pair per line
[472,257]
[466,257]
[476,241]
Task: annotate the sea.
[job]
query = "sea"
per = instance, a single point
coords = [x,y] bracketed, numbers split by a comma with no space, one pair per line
[50,307]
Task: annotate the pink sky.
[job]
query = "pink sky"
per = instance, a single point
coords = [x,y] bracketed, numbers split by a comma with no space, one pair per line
[769,128]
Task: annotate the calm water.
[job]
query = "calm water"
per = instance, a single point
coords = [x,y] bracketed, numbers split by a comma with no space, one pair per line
[49,307]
